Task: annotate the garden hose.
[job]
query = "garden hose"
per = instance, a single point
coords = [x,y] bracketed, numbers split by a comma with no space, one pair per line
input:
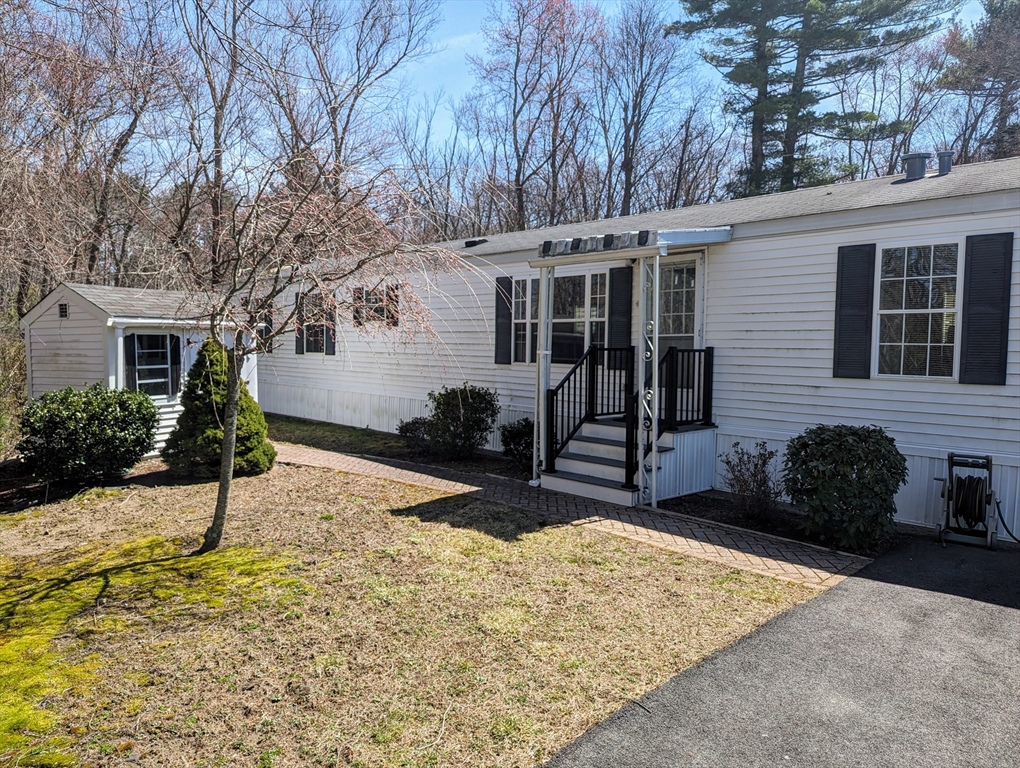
[969,500]
[1005,527]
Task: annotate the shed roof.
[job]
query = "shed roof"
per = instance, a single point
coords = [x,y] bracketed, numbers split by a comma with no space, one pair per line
[972,179]
[147,303]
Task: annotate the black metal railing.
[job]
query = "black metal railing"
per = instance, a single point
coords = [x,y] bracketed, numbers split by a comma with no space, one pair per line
[601,383]
[685,387]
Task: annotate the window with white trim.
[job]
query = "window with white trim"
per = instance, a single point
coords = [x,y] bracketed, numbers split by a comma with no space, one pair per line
[917,307]
[521,321]
[152,364]
[579,314]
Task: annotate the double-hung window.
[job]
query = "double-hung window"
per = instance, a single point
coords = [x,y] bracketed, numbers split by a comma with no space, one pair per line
[587,309]
[579,315]
[938,309]
[314,327]
[917,310]
[521,321]
[152,363]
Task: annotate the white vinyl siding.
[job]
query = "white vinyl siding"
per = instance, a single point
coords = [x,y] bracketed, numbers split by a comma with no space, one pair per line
[67,352]
[768,308]
[376,382]
[770,314]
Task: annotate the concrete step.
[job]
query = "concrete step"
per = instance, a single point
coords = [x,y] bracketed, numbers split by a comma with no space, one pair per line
[604,446]
[589,487]
[610,429]
[592,466]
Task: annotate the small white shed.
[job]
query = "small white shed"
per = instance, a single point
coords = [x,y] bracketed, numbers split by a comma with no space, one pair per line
[128,338]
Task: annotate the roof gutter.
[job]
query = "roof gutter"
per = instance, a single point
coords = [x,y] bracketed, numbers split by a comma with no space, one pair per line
[121,322]
[664,238]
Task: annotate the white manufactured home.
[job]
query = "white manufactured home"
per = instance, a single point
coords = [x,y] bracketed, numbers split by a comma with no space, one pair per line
[125,338]
[645,346]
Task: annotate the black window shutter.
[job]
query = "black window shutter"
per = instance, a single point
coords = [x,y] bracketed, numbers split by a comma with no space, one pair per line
[620,306]
[984,325]
[265,327]
[130,371]
[329,332]
[359,306]
[392,306]
[855,292]
[299,331]
[175,364]
[504,319]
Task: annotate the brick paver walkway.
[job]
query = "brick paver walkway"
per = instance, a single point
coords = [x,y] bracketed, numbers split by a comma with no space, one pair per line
[723,544]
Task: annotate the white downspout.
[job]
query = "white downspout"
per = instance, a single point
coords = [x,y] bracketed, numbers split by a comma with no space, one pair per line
[120,358]
[543,367]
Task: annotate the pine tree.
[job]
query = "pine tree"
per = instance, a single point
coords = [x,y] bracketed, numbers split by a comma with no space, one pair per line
[783,59]
[194,446]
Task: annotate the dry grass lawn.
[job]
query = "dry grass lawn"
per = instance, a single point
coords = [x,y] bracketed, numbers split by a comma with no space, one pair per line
[346,621]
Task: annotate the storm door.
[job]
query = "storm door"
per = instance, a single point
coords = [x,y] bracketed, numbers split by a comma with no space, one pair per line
[676,306]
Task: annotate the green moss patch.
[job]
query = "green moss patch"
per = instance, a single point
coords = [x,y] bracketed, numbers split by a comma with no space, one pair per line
[98,589]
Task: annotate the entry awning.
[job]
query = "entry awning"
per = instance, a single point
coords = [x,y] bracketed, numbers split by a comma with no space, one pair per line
[628,245]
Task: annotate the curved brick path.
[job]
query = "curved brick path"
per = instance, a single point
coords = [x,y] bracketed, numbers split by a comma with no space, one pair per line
[723,544]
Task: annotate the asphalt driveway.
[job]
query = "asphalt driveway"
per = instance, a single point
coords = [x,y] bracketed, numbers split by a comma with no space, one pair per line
[915,661]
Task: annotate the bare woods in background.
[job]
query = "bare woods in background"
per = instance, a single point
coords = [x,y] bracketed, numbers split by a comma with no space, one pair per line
[239,149]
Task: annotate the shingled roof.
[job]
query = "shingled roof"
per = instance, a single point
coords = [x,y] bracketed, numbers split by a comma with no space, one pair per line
[144,303]
[973,179]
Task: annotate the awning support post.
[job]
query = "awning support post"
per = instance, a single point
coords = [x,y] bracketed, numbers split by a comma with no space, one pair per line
[648,398]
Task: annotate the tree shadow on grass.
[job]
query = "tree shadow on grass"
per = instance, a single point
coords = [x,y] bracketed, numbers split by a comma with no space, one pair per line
[20,489]
[469,511]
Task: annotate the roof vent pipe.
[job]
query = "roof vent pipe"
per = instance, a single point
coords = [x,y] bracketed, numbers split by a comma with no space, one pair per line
[917,165]
[945,162]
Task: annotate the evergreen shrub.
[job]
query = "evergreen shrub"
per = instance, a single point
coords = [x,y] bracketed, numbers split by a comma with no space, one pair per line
[194,447]
[79,435]
[461,421]
[845,479]
[415,434]
[518,438]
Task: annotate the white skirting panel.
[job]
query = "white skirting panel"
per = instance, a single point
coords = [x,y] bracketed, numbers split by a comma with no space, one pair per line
[919,501]
[690,466]
[168,415]
[357,409]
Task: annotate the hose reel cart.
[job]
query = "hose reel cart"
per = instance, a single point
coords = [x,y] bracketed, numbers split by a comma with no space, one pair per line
[969,516]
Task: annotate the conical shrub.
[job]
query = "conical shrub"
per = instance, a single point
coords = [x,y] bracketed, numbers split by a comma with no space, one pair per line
[195,445]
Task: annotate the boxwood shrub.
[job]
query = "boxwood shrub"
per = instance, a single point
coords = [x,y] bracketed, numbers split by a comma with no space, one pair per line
[845,479]
[461,421]
[518,438]
[80,435]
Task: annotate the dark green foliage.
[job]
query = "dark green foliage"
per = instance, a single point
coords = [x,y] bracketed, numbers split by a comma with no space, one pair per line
[518,439]
[194,447]
[783,60]
[752,478]
[461,420]
[415,434]
[845,479]
[83,434]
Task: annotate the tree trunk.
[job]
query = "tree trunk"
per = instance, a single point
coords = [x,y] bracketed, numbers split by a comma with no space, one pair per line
[792,132]
[756,175]
[215,531]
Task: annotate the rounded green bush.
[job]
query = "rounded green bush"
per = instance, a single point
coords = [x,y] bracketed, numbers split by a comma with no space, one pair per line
[96,432]
[194,447]
[845,479]
[461,420]
[518,439]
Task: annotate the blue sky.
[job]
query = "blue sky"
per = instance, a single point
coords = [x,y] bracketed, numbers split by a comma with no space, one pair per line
[459,34]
